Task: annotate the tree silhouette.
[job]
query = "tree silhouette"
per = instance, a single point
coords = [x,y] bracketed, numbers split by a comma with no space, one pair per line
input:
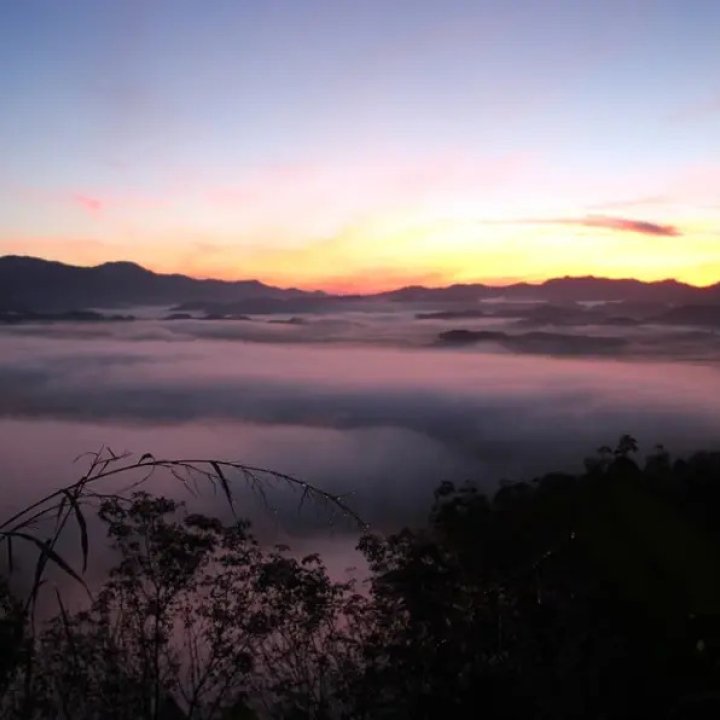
[593,595]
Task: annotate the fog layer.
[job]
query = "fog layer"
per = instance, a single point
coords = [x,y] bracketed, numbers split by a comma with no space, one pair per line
[386,421]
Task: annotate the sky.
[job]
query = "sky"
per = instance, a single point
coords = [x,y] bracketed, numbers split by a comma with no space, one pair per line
[358,146]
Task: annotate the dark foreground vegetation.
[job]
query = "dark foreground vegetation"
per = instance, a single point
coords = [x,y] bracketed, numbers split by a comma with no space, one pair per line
[587,596]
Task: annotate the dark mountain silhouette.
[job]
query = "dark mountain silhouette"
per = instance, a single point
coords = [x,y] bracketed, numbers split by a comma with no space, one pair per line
[566,289]
[453,293]
[32,283]
[536,342]
[452,315]
[12,317]
[702,315]
[599,289]
[267,305]
[28,283]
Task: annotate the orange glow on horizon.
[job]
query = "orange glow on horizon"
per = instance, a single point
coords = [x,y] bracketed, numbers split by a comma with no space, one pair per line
[392,251]
[380,258]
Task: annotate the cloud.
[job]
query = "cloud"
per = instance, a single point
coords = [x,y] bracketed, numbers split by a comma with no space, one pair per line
[608,222]
[93,205]
[643,227]
[384,423]
[472,402]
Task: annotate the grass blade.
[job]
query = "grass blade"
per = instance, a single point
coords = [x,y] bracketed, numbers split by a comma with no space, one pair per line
[48,554]
[224,483]
[82,525]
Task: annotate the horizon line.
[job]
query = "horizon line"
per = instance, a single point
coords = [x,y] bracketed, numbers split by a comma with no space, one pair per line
[410,285]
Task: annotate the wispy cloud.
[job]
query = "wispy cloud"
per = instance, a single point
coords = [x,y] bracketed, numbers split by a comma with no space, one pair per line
[644,227]
[607,222]
[91,204]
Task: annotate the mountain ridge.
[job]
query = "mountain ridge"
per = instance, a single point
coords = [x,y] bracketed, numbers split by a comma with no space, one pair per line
[35,283]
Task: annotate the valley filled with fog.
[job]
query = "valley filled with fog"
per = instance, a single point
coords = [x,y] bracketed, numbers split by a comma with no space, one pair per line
[375,404]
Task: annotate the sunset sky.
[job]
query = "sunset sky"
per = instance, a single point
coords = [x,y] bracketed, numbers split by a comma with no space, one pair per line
[364,144]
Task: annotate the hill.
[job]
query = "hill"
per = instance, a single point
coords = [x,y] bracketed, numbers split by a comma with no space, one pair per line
[565,289]
[28,283]
[33,283]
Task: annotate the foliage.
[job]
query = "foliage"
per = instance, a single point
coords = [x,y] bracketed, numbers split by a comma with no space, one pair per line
[189,617]
[12,635]
[193,620]
[594,595]
[65,506]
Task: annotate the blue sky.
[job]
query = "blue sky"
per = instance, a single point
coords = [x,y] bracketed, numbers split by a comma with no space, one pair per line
[240,137]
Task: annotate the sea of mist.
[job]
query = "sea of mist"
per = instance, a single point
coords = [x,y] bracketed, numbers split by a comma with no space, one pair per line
[364,404]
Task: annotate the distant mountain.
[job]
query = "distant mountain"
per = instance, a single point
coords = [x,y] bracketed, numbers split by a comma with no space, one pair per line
[11,317]
[700,315]
[33,284]
[537,342]
[598,289]
[566,289]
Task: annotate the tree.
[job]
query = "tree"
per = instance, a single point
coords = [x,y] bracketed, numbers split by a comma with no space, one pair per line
[12,635]
[594,595]
[195,621]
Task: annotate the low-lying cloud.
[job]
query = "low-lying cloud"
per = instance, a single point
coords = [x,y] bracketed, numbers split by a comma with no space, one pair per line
[386,423]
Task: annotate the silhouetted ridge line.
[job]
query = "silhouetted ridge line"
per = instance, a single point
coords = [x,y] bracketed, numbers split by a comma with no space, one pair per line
[30,283]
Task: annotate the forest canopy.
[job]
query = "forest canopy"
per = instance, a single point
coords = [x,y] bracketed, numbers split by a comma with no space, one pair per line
[593,595]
